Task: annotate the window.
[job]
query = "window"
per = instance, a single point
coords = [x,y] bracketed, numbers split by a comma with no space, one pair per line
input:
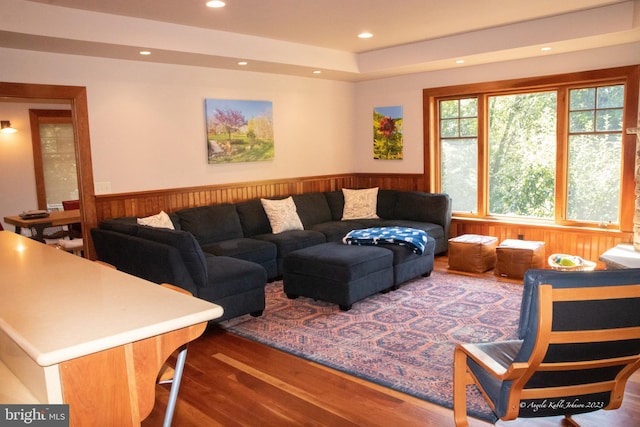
[459,139]
[551,149]
[595,148]
[522,154]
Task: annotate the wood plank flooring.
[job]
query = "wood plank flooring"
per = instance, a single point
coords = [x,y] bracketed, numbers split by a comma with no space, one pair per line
[232,381]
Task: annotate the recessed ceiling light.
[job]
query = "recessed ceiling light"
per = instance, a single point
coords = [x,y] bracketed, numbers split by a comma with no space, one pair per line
[545,49]
[145,52]
[216,3]
[317,72]
[460,61]
[365,35]
[242,63]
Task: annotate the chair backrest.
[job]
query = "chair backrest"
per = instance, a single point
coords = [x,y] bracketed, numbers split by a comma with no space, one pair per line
[68,205]
[74,229]
[581,342]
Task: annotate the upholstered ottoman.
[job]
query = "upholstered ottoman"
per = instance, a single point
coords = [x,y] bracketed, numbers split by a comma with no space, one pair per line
[472,253]
[408,265]
[337,273]
[515,257]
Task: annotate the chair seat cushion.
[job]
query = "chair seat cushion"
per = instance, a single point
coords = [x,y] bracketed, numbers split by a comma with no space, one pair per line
[504,353]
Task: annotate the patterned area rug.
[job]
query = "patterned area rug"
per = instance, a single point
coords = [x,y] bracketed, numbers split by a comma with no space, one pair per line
[402,339]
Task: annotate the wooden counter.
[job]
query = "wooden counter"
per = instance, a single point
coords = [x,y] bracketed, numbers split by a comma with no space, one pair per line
[73,331]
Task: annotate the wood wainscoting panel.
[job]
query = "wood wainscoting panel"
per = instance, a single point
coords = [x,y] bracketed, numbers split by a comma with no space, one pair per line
[587,243]
[145,203]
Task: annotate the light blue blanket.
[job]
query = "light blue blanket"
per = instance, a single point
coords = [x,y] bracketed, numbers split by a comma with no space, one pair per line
[414,239]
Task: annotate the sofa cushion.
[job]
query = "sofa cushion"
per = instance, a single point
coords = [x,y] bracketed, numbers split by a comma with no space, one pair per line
[254,250]
[236,285]
[312,208]
[292,240]
[159,220]
[360,204]
[244,248]
[418,206]
[231,276]
[385,209]
[253,218]
[186,244]
[282,214]
[387,200]
[121,225]
[335,200]
[334,231]
[213,223]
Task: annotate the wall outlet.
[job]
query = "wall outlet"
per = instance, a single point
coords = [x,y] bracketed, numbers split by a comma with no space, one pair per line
[102,187]
[520,236]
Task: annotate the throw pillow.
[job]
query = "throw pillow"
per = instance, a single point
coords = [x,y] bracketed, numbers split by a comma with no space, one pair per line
[282,214]
[160,220]
[360,204]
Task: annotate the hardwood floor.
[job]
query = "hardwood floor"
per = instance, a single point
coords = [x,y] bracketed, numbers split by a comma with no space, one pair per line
[232,381]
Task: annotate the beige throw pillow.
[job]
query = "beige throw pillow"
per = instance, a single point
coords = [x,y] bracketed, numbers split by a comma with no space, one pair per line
[160,220]
[360,204]
[282,214]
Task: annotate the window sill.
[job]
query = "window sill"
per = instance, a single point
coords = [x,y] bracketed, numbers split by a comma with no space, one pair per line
[540,225]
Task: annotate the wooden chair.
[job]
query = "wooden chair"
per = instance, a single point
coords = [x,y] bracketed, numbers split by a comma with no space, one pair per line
[579,343]
[75,230]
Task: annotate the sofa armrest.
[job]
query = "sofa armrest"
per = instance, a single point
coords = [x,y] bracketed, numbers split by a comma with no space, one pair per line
[147,259]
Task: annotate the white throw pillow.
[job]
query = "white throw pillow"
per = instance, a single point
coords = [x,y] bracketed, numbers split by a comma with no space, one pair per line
[160,220]
[360,204]
[282,214]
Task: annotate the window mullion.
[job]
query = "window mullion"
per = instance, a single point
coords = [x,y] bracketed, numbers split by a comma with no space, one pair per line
[562,156]
[483,155]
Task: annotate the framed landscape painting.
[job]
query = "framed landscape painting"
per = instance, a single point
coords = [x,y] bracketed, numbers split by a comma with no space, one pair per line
[239,131]
[387,133]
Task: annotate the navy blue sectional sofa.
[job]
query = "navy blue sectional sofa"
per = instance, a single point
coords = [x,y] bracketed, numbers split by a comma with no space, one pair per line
[226,253]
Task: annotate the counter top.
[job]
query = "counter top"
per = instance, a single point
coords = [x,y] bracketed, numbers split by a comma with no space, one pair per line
[57,306]
[621,256]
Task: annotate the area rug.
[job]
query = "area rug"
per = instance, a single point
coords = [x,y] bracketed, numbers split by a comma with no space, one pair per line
[402,339]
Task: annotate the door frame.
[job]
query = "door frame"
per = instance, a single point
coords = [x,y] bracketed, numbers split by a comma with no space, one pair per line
[77,97]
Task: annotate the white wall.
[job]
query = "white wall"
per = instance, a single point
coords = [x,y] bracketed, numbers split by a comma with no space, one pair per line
[147,122]
[407,92]
[17,176]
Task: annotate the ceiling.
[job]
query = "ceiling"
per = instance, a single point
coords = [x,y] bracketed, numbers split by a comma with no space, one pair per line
[301,36]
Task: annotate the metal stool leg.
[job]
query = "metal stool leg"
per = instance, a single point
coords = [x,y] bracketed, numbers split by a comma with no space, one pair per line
[175,387]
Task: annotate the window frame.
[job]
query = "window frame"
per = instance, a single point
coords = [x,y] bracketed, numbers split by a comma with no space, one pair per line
[629,76]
